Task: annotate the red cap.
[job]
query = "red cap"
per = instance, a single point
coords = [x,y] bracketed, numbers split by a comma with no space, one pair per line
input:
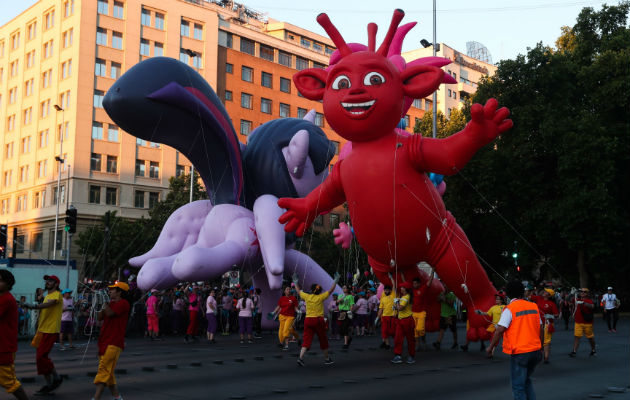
[52,278]
[406,285]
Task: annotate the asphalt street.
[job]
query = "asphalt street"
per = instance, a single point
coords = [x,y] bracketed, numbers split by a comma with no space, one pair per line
[172,369]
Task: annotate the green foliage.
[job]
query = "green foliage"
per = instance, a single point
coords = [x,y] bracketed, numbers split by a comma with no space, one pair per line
[128,237]
[445,127]
[560,175]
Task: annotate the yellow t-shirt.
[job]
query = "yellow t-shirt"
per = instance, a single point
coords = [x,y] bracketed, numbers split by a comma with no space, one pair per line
[495,312]
[387,305]
[406,307]
[50,318]
[314,303]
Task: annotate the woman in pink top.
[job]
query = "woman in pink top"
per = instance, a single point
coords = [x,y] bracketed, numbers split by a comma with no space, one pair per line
[193,309]
[153,324]
[360,310]
[211,316]
[245,307]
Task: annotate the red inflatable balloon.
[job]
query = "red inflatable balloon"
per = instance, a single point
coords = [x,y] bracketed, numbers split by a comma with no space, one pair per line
[398,216]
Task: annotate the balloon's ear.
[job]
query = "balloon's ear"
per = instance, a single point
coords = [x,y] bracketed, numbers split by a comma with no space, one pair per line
[421,80]
[311,83]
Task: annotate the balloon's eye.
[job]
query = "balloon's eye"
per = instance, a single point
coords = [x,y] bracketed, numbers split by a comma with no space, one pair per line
[373,78]
[341,82]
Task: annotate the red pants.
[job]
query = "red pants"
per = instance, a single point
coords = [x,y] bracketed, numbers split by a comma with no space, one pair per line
[388,326]
[153,323]
[314,325]
[404,330]
[45,365]
[193,324]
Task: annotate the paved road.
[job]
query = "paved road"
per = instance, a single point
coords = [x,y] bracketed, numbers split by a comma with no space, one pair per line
[262,371]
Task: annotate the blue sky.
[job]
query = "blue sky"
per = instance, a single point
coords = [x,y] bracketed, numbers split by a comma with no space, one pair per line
[506,28]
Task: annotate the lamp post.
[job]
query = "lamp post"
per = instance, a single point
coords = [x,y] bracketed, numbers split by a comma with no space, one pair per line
[60,161]
[434,93]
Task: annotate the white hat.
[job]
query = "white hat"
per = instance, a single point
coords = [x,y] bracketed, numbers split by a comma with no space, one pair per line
[609,287]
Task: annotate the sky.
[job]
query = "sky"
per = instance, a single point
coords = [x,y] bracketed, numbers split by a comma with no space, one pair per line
[507,28]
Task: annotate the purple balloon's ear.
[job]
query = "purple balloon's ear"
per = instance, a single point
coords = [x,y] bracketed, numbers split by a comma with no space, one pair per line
[296,154]
[310,116]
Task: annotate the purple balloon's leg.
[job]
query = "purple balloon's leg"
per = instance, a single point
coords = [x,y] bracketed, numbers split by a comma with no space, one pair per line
[156,274]
[180,231]
[271,236]
[309,272]
[269,296]
[201,263]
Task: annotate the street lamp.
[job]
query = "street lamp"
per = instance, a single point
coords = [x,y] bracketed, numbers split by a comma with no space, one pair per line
[60,160]
[434,93]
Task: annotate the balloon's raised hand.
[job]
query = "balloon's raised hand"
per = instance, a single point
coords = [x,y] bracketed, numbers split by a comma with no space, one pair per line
[487,122]
[297,217]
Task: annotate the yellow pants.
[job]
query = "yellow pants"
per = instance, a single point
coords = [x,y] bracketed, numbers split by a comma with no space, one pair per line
[419,318]
[547,337]
[106,365]
[286,328]
[8,380]
[584,330]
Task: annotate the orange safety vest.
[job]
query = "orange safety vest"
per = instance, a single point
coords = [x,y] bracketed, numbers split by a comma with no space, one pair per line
[523,334]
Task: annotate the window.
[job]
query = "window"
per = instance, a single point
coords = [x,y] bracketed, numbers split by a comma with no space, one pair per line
[318,65]
[448,112]
[119,10]
[97,130]
[158,49]
[140,168]
[111,196]
[183,56]
[99,67]
[15,67]
[154,169]
[64,100]
[66,69]
[284,58]
[285,110]
[6,206]
[38,238]
[228,95]
[112,164]
[8,150]
[138,199]
[185,28]
[61,130]
[101,36]
[62,194]
[335,146]
[7,178]
[197,34]
[266,52]
[95,194]
[145,17]
[32,30]
[49,19]
[246,127]
[20,240]
[334,220]
[28,87]
[48,49]
[68,8]
[197,60]
[159,21]
[454,94]
[319,119]
[428,105]
[265,106]
[102,7]
[246,100]
[41,168]
[247,74]
[30,59]
[15,41]
[145,47]
[46,78]
[67,38]
[407,121]
[285,85]
[229,68]
[23,173]
[266,79]
[26,145]
[11,122]
[180,170]
[301,63]
[141,142]
[115,71]
[449,92]
[417,103]
[117,40]
[305,43]
[248,46]
[112,133]
[28,116]
[301,113]
[318,47]
[95,162]
[44,108]
[154,198]
[12,95]
[98,98]
[225,39]
[43,139]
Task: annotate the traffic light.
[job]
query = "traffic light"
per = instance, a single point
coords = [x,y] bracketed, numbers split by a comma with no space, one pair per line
[515,255]
[71,220]
[4,229]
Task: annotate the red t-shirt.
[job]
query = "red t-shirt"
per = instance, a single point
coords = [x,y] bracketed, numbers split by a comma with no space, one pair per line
[545,306]
[114,327]
[287,305]
[9,330]
[419,302]
[579,318]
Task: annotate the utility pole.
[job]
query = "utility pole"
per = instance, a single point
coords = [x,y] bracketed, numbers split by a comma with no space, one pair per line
[434,53]
[192,176]
[105,245]
[60,160]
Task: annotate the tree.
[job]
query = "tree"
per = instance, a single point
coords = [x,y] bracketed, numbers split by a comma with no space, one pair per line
[445,127]
[129,237]
[559,177]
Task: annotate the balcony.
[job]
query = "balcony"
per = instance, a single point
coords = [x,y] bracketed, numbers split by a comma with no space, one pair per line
[465,89]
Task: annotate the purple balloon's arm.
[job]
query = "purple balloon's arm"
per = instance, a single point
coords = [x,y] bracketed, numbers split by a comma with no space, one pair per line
[156,274]
[180,231]
[202,263]
[271,237]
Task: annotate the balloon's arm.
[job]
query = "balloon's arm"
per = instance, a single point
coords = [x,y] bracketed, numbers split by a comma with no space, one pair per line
[302,212]
[449,155]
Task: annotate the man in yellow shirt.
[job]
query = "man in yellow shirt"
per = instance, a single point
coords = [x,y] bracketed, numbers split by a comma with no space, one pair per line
[314,321]
[47,333]
[387,315]
[405,325]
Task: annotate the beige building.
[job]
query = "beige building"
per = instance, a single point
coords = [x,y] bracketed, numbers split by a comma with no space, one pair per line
[466,70]
[59,57]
